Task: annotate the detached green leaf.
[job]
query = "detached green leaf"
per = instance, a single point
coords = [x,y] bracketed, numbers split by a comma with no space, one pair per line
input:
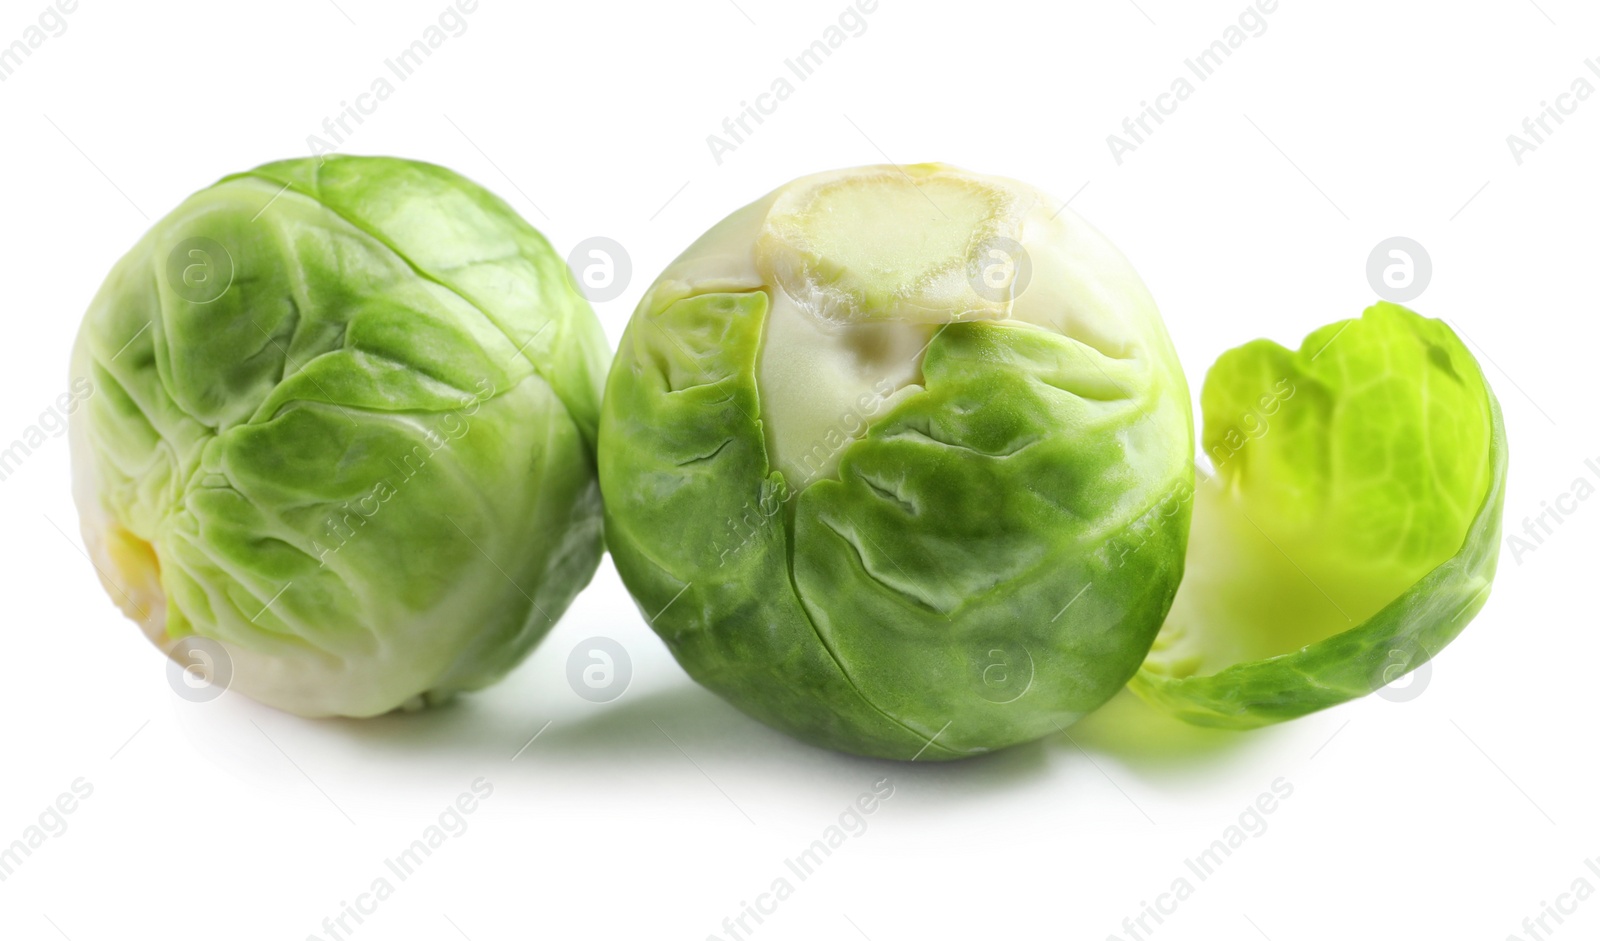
[1351,529]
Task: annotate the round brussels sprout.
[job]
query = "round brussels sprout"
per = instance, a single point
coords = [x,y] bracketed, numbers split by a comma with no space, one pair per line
[898,460]
[341,436]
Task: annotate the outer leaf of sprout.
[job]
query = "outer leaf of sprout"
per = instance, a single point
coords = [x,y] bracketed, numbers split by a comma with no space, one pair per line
[1352,529]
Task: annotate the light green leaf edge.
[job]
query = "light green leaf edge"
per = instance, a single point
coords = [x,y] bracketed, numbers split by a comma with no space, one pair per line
[1405,634]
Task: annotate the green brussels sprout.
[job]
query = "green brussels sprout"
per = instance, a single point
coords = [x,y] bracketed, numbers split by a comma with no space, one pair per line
[1351,528]
[342,432]
[898,460]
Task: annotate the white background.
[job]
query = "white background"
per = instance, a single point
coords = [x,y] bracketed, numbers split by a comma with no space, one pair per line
[1250,212]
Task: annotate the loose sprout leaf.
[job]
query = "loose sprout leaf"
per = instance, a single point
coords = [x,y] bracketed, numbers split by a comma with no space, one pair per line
[1351,528]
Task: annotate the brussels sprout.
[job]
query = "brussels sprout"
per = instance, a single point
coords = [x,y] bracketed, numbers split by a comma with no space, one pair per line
[897,460]
[1352,526]
[343,431]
